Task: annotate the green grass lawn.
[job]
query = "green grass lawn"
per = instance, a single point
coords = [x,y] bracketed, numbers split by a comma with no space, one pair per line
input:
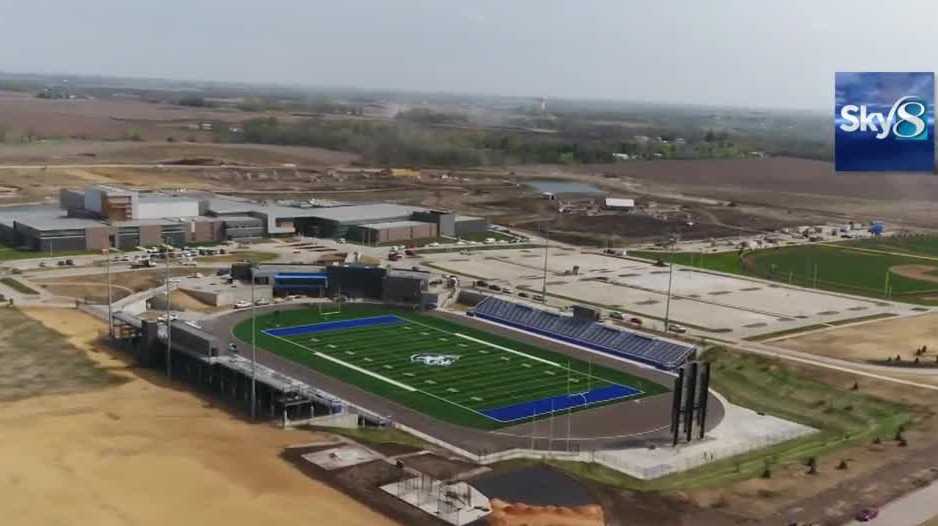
[843,418]
[18,286]
[8,253]
[488,371]
[922,245]
[837,269]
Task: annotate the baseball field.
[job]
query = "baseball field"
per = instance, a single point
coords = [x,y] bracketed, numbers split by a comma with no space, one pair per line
[901,269]
[446,370]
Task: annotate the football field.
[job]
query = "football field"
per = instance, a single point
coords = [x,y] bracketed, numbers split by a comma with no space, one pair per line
[446,370]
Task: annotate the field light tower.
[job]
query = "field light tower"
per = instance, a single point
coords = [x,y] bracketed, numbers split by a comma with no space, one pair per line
[667,309]
[253,266]
[169,323]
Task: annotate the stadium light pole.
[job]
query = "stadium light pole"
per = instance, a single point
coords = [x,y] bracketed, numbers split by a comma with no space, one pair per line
[169,324]
[570,421]
[667,308]
[253,346]
[546,252]
[110,314]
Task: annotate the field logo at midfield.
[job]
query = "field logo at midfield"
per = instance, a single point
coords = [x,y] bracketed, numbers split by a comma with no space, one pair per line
[884,122]
[435,360]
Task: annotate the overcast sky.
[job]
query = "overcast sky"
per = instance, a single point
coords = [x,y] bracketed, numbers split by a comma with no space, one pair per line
[728,52]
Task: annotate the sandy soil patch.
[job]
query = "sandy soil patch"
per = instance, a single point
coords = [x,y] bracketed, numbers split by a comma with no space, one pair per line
[505,514]
[145,452]
[872,341]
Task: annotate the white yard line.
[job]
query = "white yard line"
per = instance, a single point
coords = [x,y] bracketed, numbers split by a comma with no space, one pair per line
[526,355]
[350,366]
[506,349]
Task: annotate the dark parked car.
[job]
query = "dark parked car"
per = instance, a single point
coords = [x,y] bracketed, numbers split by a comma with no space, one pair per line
[867,514]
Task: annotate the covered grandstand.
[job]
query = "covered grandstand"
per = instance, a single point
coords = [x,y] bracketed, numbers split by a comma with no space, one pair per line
[661,353]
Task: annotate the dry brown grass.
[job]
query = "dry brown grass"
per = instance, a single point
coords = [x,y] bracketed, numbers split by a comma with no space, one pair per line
[147,452]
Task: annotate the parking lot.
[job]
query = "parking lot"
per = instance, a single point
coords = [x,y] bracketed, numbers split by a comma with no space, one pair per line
[702,300]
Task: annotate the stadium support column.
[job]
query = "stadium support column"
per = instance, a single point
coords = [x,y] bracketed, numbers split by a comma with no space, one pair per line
[676,406]
[703,397]
[690,400]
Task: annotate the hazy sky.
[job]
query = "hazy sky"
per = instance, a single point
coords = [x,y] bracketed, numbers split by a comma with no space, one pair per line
[728,52]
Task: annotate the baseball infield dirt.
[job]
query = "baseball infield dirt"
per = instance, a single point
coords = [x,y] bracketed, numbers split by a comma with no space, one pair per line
[149,452]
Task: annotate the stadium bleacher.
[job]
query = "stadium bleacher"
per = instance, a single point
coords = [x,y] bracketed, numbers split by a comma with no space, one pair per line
[660,353]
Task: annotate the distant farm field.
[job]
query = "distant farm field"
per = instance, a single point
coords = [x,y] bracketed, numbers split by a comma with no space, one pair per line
[864,270]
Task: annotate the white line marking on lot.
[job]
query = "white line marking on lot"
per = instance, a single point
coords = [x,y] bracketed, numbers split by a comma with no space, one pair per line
[506,349]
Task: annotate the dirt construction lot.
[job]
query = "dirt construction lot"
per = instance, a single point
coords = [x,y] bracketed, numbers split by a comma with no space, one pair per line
[873,341]
[138,451]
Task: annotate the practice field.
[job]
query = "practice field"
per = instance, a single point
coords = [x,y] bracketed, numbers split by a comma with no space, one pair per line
[884,269]
[443,369]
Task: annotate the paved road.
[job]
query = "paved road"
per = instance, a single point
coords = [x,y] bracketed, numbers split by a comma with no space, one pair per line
[911,510]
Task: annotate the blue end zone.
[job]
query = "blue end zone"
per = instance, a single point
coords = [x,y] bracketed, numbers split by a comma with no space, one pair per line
[355,323]
[559,403]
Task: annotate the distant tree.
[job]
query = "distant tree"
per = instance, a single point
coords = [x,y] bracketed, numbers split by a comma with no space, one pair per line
[194,101]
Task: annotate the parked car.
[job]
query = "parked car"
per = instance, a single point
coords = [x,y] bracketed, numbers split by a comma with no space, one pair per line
[538,297]
[262,301]
[635,321]
[617,315]
[867,514]
[242,304]
[524,295]
[679,329]
[495,287]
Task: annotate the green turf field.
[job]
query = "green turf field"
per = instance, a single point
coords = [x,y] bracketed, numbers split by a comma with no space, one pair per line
[922,245]
[834,268]
[486,371]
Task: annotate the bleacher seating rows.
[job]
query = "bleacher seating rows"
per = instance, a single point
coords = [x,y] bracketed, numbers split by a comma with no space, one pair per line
[660,353]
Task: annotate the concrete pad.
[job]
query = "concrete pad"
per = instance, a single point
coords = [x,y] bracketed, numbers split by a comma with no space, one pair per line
[340,457]
[457,503]
[741,431]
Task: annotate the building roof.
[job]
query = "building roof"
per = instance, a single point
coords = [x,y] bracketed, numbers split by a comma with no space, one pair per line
[394,224]
[145,222]
[224,205]
[235,219]
[166,199]
[411,274]
[43,218]
[373,213]
[469,218]
[620,202]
